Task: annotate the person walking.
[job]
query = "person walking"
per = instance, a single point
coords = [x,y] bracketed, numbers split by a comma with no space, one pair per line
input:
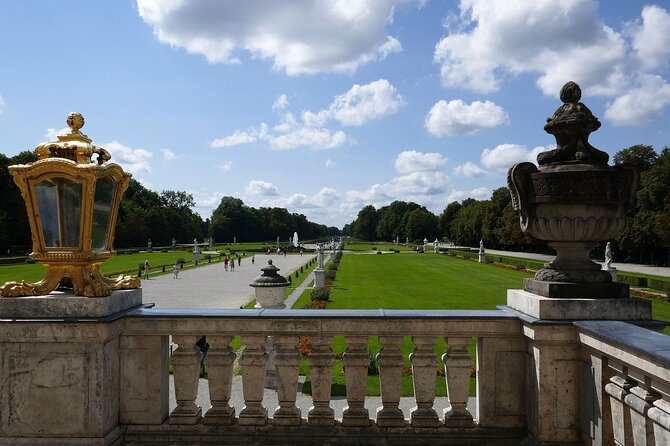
[146,269]
[232,265]
[225,263]
[175,271]
[239,260]
[253,258]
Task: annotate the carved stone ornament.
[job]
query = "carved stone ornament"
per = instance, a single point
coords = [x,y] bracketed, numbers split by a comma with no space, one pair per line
[573,200]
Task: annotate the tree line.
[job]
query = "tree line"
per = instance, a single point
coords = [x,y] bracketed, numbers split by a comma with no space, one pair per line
[646,238]
[160,216]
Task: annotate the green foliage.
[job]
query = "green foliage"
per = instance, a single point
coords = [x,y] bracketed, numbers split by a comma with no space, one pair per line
[320,294]
[365,225]
[233,219]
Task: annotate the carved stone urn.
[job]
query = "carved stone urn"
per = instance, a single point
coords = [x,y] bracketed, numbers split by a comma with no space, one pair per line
[573,200]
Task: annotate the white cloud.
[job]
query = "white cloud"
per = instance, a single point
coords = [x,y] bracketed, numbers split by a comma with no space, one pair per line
[280,103]
[420,178]
[330,163]
[561,40]
[458,118]
[479,193]
[363,103]
[237,138]
[469,169]
[168,155]
[263,188]
[651,37]
[411,161]
[132,160]
[326,197]
[300,37]
[225,167]
[304,136]
[357,106]
[641,105]
[503,156]
[52,133]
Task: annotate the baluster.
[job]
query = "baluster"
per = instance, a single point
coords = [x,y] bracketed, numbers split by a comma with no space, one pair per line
[660,415]
[253,362]
[287,364]
[424,365]
[186,365]
[220,359]
[356,361]
[457,363]
[321,371]
[617,389]
[640,400]
[390,362]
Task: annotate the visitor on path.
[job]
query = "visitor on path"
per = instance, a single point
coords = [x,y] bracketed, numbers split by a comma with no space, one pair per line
[146,269]
[253,258]
[239,260]
[232,265]
[225,263]
[175,271]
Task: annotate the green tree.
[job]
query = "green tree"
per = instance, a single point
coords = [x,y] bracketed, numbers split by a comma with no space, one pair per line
[421,223]
[14,226]
[466,228]
[643,157]
[447,217]
[365,226]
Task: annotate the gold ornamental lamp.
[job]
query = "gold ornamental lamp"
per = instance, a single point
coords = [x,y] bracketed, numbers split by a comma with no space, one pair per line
[72,195]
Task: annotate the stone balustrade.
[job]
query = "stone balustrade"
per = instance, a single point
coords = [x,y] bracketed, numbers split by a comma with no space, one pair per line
[626,385]
[499,368]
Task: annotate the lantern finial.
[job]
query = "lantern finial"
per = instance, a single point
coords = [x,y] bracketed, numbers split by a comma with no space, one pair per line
[75,121]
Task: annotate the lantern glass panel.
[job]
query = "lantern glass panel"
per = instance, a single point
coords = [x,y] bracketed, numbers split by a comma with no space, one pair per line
[59,202]
[102,210]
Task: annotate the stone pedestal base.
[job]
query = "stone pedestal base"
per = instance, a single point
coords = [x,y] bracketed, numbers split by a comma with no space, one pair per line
[612,272]
[569,290]
[541,307]
[62,305]
[319,278]
[482,257]
[62,377]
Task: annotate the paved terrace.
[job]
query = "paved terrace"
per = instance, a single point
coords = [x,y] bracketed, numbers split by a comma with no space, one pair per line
[211,286]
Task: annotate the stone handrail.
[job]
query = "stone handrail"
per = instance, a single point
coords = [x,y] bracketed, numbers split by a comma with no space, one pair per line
[499,366]
[626,387]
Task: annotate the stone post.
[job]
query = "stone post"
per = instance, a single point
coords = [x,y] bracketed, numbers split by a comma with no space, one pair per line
[457,364]
[356,361]
[287,362]
[253,362]
[321,363]
[220,359]
[424,364]
[390,363]
[186,364]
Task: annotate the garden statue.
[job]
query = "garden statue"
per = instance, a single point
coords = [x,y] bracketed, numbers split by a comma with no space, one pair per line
[608,256]
[149,245]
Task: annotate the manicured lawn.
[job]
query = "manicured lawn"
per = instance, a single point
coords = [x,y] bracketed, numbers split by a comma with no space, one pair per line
[369,246]
[116,264]
[420,281]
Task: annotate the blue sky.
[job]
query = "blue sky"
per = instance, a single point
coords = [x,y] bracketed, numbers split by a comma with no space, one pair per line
[323,107]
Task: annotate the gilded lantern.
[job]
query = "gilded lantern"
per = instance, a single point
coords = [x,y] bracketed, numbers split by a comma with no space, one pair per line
[72,195]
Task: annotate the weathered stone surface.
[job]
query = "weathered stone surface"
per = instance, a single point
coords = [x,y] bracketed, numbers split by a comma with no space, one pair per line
[574,309]
[68,305]
[576,290]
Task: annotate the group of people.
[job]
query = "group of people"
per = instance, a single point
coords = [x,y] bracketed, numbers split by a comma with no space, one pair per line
[230,261]
[227,262]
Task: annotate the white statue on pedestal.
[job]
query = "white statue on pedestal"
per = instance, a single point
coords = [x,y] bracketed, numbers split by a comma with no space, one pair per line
[608,256]
[319,255]
[196,248]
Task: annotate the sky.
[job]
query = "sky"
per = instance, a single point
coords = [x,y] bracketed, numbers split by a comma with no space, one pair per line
[326,106]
